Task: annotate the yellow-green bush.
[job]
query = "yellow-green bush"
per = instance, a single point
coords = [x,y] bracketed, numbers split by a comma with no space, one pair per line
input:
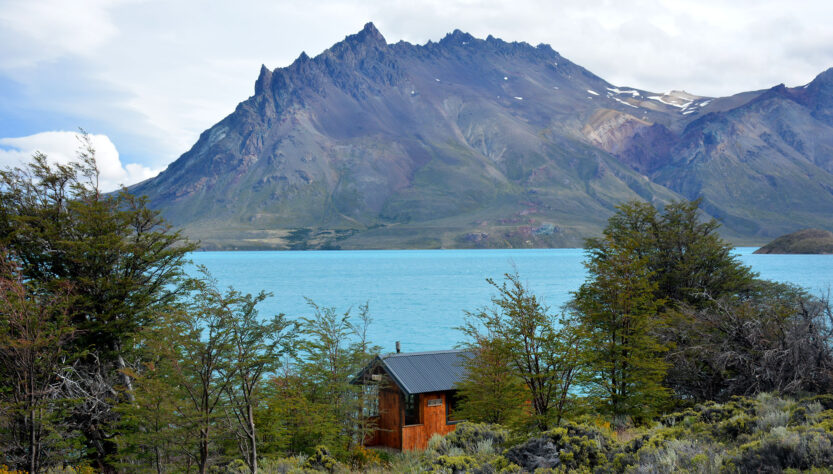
[322,460]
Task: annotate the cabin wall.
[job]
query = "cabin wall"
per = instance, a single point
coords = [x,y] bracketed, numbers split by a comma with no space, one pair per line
[389,428]
[433,422]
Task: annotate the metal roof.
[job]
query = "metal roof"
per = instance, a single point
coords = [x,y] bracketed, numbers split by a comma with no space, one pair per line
[421,372]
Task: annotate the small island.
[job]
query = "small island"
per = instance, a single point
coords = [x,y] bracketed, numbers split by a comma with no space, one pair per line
[809,241]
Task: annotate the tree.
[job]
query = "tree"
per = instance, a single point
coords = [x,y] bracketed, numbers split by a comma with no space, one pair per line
[333,348]
[121,259]
[776,339]
[685,257]
[535,345]
[293,421]
[730,333]
[259,347]
[617,318]
[199,345]
[151,431]
[34,339]
[491,391]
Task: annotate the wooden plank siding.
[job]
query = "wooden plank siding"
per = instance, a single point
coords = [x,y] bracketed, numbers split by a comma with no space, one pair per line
[433,422]
[391,415]
[390,431]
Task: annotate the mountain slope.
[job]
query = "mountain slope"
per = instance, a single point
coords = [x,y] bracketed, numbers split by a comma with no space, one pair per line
[482,143]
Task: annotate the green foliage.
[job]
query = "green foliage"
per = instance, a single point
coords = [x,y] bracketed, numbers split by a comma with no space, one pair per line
[311,401]
[116,261]
[519,335]
[696,440]
[119,256]
[197,342]
[471,447]
[491,392]
[332,349]
[407,462]
[686,259]
[732,334]
[455,464]
[291,420]
[282,465]
[321,460]
[473,437]
[35,336]
[202,383]
[152,434]
[617,318]
[258,348]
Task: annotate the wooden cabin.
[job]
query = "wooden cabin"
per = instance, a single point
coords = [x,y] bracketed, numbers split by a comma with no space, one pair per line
[415,394]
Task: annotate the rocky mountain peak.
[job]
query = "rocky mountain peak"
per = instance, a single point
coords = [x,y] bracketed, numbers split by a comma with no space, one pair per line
[368,35]
[264,80]
[458,37]
[819,95]
[825,77]
[476,142]
[367,43]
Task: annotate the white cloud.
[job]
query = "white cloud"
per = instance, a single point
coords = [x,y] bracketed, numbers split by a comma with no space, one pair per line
[62,147]
[43,30]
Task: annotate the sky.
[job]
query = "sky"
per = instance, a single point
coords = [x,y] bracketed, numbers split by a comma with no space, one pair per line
[146,77]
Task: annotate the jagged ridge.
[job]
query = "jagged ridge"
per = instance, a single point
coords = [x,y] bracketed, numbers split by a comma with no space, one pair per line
[472,142]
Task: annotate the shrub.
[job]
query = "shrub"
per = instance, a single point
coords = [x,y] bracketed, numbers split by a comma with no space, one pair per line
[782,449]
[569,447]
[454,464]
[60,470]
[4,469]
[734,427]
[477,445]
[712,412]
[281,465]
[238,466]
[322,460]
[826,401]
[679,455]
[360,457]
[407,461]
[437,443]
[806,414]
[673,419]
[772,420]
[468,436]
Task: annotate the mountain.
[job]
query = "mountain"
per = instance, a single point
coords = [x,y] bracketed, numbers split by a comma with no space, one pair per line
[469,142]
[811,241]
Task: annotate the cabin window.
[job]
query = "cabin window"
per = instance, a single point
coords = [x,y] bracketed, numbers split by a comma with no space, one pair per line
[411,410]
[451,404]
[371,400]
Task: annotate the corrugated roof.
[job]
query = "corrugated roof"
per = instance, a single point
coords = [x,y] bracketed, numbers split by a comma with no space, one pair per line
[421,372]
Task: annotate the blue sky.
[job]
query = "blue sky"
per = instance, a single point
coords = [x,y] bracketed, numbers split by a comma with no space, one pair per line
[147,76]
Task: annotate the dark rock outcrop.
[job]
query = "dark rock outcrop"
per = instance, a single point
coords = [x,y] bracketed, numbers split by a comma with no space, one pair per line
[808,241]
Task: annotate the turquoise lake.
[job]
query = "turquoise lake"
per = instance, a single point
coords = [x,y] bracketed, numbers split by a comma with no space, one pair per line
[419,297]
